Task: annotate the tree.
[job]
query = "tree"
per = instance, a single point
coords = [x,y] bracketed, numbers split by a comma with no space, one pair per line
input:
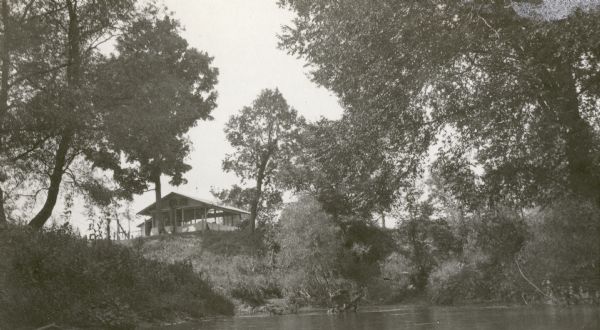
[347,170]
[264,137]
[158,89]
[23,60]
[494,84]
[49,53]
[4,83]
[269,203]
[310,246]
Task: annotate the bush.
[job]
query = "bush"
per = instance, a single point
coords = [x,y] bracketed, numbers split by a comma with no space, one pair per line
[310,245]
[365,245]
[452,282]
[393,285]
[55,276]
[563,256]
[485,270]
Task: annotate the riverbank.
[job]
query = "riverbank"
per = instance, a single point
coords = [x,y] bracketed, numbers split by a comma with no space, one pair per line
[388,317]
[240,266]
[54,276]
[236,264]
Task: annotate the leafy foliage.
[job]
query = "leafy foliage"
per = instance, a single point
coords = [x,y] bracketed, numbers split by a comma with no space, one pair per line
[269,203]
[159,88]
[563,251]
[264,137]
[69,107]
[345,167]
[516,93]
[310,244]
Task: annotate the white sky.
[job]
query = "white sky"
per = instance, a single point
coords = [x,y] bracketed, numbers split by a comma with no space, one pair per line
[241,35]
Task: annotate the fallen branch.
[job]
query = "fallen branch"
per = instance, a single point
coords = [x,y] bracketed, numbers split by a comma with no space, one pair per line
[531,283]
[51,326]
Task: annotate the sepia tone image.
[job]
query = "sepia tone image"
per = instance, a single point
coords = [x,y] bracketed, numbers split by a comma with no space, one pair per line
[300,164]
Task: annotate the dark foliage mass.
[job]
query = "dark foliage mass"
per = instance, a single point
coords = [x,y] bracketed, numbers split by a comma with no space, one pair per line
[474,124]
[53,276]
[492,85]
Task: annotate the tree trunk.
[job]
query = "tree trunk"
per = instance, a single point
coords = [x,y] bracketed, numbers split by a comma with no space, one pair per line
[2,213]
[5,58]
[578,136]
[157,205]
[68,133]
[55,179]
[108,233]
[260,177]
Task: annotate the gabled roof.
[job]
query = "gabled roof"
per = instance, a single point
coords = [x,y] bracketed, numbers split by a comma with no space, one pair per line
[148,209]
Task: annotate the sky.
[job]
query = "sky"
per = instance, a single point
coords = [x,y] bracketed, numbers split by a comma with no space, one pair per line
[554,9]
[241,35]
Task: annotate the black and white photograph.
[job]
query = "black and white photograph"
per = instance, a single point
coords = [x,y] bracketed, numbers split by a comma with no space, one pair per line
[300,164]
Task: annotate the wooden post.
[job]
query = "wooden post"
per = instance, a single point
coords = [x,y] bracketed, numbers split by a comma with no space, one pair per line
[204,224]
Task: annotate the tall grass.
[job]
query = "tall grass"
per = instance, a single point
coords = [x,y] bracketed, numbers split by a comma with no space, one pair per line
[236,264]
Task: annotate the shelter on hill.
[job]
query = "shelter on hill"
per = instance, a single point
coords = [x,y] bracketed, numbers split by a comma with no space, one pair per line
[181,213]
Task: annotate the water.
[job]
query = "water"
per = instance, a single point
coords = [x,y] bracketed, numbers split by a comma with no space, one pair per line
[413,317]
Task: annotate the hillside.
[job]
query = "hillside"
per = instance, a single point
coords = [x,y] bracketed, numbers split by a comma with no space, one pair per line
[55,276]
[236,264]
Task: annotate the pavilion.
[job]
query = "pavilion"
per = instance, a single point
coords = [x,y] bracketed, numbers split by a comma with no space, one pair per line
[181,213]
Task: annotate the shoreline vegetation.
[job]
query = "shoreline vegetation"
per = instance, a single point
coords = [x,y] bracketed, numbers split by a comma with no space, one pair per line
[303,261]
[309,259]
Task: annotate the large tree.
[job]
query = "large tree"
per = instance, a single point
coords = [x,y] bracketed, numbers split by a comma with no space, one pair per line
[264,137]
[490,84]
[154,90]
[48,54]
[66,111]
[69,105]
[24,60]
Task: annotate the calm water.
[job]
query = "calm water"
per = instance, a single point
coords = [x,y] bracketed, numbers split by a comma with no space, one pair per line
[410,317]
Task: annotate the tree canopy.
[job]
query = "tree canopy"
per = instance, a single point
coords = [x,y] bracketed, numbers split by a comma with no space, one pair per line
[69,107]
[50,119]
[484,84]
[159,88]
[264,138]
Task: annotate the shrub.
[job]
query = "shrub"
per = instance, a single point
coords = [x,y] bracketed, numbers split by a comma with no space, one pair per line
[563,255]
[310,245]
[365,245]
[393,285]
[451,282]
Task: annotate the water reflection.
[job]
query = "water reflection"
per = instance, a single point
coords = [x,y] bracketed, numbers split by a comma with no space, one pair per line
[412,317]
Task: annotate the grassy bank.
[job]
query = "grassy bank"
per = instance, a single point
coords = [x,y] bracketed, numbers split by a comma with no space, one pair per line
[236,264]
[54,276]
[239,266]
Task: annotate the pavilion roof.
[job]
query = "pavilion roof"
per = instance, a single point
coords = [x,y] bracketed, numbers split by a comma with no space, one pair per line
[203,203]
